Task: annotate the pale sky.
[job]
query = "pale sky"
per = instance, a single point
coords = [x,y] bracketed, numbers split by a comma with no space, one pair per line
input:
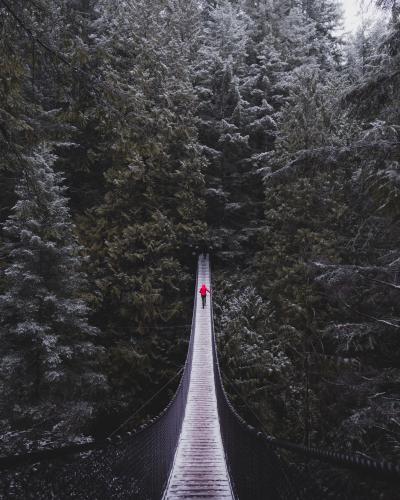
[352,13]
[351,9]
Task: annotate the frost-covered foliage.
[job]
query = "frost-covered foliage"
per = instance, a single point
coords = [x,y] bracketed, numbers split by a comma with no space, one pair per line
[108,86]
[255,360]
[329,263]
[252,116]
[142,231]
[49,360]
[236,125]
[325,262]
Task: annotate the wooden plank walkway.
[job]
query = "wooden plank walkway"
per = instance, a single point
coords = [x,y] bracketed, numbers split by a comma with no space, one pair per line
[199,471]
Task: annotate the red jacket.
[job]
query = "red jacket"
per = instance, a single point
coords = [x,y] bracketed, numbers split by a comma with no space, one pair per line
[204,290]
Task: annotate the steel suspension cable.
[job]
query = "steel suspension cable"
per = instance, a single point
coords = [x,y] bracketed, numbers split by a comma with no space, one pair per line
[344,459]
[134,465]
[258,473]
[145,404]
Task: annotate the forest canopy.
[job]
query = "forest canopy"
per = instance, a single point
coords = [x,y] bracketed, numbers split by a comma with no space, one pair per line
[134,132]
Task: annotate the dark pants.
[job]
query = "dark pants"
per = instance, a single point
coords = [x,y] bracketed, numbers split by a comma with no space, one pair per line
[204,299]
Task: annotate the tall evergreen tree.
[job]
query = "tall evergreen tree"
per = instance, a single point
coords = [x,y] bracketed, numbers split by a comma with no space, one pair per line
[49,360]
[235,123]
[142,234]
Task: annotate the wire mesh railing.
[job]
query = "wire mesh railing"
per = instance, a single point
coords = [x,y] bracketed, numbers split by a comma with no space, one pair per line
[132,465]
[258,472]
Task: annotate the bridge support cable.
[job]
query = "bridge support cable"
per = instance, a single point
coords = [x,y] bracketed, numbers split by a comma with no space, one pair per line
[133,465]
[381,469]
[256,471]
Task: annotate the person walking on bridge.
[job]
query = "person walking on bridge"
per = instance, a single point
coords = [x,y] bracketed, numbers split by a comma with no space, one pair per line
[203,292]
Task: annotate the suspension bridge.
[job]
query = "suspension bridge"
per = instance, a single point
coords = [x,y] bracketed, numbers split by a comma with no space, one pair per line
[197,448]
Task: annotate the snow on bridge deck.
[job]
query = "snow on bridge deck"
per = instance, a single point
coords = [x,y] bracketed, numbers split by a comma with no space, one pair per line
[199,471]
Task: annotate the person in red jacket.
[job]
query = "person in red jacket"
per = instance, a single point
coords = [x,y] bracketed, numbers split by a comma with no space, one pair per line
[203,292]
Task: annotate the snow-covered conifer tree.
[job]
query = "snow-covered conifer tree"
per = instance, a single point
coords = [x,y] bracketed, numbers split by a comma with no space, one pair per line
[48,355]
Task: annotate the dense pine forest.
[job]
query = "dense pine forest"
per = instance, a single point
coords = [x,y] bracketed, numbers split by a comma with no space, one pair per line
[133,134]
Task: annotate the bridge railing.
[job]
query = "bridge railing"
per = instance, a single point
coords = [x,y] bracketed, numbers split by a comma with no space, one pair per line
[257,472]
[132,465]
[255,469]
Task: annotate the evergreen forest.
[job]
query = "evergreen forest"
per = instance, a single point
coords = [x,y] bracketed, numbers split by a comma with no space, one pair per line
[134,134]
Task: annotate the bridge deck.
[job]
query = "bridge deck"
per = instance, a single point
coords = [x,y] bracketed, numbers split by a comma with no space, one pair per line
[199,470]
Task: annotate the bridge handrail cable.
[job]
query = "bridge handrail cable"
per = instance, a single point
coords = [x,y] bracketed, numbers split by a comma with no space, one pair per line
[245,439]
[138,461]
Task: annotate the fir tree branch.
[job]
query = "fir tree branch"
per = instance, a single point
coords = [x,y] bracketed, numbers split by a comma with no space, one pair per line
[365,315]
